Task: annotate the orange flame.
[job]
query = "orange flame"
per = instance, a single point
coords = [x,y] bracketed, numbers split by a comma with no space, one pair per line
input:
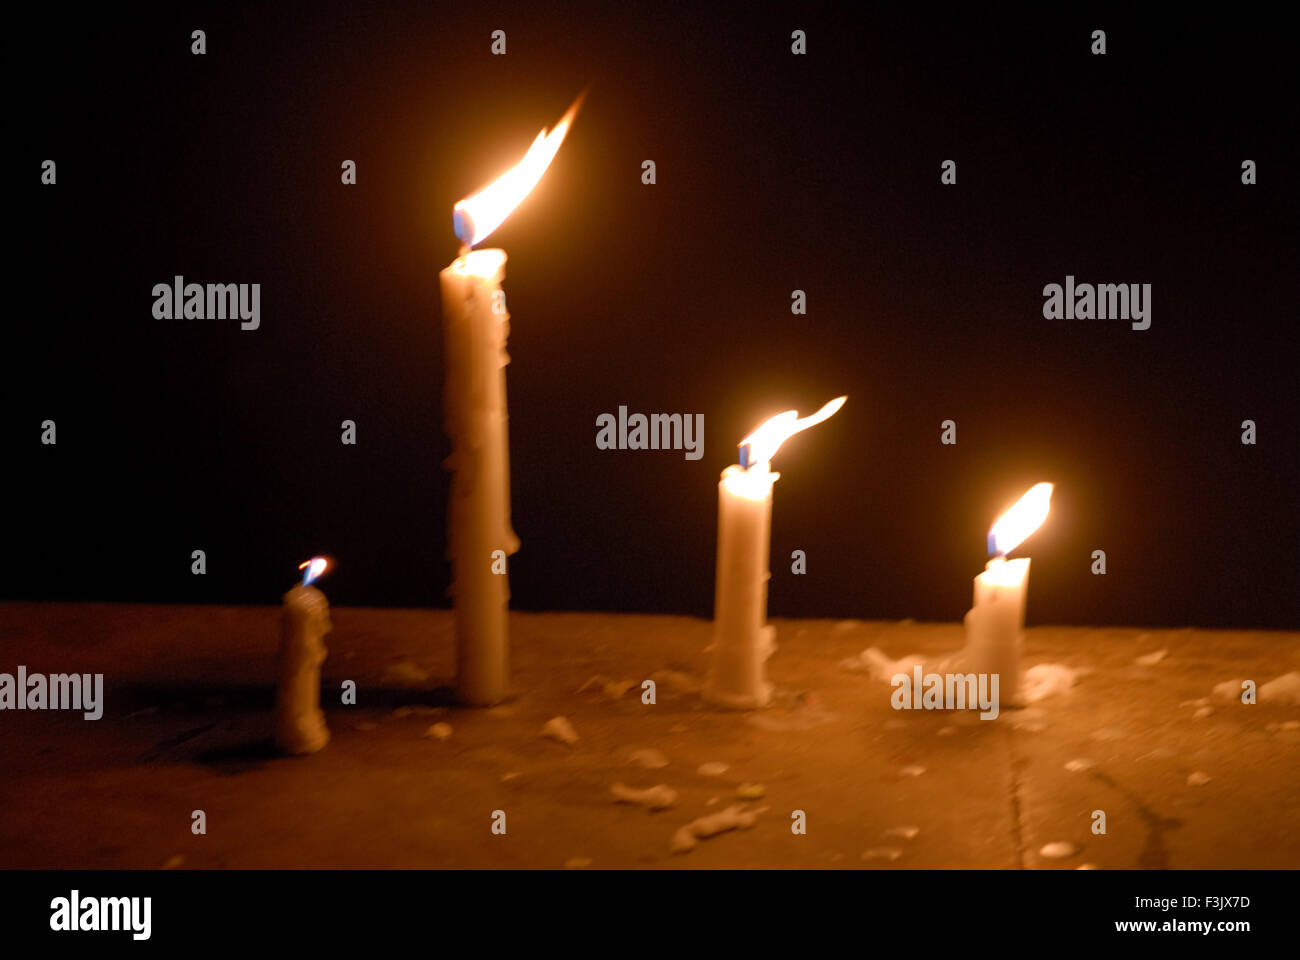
[314,567]
[767,439]
[1021,520]
[477,216]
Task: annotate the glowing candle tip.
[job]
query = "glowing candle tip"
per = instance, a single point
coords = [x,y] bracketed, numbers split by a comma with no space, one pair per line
[312,569]
[1026,516]
[761,445]
[478,215]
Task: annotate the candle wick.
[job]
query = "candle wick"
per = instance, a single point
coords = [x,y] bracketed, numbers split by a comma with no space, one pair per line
[464,251]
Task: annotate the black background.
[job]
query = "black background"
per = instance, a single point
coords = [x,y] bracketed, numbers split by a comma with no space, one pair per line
[775,172]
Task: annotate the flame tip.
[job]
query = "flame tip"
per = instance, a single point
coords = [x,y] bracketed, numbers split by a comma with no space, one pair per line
[773,432]
[476,216]
[1024,517]
[314,569]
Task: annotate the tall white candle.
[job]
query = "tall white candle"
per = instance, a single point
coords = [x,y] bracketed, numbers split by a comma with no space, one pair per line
[995,625]
[742,637]
[304,621]
[476,326]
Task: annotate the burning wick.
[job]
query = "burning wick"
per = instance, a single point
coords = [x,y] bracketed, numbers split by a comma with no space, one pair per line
[761,445]
[477,216]
[1026,516]
[312,569]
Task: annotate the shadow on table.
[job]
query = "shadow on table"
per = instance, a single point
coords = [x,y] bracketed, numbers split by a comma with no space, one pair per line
[210,710]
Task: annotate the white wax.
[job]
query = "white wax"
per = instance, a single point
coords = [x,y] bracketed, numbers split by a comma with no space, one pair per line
[742,638]
[479,511]
[299,722]
[995,626]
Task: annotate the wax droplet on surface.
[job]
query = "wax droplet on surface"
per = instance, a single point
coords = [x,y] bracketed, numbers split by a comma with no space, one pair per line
[1283,689]
[559,728]
[1047,679]
[658,797]
[439,731]
[1058,850]
[732,818]
[907,833]
[615,689]
[882,853]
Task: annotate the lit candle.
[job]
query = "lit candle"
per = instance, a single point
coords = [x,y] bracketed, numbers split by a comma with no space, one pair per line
[476,326]
[305,619]
[742,638]
[995,624]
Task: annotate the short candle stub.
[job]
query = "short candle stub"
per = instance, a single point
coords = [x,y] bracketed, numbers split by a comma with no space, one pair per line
[299,722]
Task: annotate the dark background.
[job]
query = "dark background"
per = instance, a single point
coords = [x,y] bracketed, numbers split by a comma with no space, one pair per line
[775,172]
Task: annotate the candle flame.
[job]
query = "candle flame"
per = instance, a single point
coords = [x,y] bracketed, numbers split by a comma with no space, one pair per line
[767,439]
[312,569]
[1021,520]
[477,216]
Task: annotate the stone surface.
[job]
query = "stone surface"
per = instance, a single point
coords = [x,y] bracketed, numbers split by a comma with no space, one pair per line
[187,726]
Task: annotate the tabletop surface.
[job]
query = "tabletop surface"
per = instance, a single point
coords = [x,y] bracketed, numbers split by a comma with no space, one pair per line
[1185,780]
